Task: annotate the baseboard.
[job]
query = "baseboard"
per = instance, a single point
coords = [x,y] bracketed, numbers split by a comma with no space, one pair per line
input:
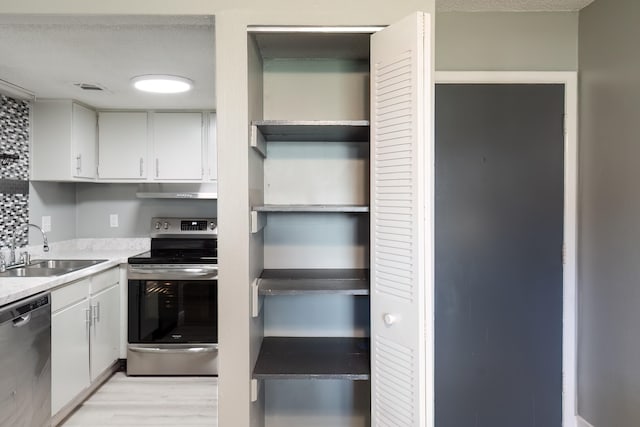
[583,423]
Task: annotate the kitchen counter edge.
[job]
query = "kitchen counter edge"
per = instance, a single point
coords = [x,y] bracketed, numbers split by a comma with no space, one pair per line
[16,288]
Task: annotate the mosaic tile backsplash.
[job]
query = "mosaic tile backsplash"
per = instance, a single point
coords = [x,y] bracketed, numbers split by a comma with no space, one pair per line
[14,169]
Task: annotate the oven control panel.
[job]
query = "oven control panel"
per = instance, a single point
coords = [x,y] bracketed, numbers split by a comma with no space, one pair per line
[177,227]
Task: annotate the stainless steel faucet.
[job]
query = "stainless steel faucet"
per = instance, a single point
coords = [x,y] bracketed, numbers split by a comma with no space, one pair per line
[45,242]
[25,258]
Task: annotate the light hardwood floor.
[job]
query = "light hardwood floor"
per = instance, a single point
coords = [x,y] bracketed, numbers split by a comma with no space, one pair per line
[150,401]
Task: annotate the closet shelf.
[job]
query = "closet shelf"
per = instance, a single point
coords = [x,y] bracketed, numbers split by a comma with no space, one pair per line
[313,208]
[274,282]
[314,130]
[313,358]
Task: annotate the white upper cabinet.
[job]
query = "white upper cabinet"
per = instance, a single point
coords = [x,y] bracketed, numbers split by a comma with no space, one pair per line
[74,143]
[122,145]
[140,146]
[177,146]
[64,141]
[84,140]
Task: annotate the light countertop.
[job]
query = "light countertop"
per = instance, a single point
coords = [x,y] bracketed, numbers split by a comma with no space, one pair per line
[113,251]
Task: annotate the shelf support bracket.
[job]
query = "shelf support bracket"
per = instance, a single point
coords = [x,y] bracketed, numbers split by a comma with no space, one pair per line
[258,221]
[258,141]
[257,301]
[256,387]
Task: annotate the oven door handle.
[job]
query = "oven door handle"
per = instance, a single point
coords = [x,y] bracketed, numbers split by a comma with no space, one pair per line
[168,273]
[164,350]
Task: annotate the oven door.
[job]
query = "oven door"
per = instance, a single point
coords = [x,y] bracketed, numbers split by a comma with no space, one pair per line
[173,320]
[173,304]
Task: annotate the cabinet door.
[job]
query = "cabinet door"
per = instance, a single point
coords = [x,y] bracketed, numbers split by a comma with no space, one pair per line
[83,141]
[105,329]
[177,146]
[122,145]
[69,353]
[51,155]
[401,224]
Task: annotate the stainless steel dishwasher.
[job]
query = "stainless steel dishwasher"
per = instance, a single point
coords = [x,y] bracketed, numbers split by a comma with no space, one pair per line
[25,362]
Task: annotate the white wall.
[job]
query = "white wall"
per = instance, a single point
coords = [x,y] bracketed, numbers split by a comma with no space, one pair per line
[508,41]
[96,202]
[82,210]
[57,200]
[609,292]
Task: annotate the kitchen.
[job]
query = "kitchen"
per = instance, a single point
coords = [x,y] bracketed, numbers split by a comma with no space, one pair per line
[349,251]
[465,41]
[66,205]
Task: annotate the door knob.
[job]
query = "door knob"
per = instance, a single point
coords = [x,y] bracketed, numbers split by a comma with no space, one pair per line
[389,319]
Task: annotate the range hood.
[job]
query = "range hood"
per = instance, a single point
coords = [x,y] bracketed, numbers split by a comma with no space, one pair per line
[208,190]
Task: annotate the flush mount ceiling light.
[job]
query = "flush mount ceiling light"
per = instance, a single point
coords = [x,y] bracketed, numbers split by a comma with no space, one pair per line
[160,83]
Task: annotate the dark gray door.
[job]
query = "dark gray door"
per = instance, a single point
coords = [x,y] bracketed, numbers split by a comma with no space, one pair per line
[498,272]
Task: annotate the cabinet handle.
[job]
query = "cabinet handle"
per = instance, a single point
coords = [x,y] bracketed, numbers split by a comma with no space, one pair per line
[141,167]
[79,163]
[96,312]
[157,167]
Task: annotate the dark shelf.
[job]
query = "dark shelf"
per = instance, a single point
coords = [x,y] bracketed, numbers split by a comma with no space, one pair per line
[314,281]
[314,130]
[313,358]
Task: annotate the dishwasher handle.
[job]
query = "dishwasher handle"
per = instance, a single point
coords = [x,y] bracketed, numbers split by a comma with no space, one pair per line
[21,321]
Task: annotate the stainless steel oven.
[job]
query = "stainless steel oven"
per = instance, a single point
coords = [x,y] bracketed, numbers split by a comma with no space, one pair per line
[173,301]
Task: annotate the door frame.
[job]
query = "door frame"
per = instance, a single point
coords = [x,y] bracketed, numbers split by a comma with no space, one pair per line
[569,310]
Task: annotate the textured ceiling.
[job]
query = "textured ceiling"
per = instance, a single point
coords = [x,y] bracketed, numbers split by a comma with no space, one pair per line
[48,55]
[510,5]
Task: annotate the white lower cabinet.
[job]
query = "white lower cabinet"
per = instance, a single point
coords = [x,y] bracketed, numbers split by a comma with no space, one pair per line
[85,325]
[69,343]
[105,330]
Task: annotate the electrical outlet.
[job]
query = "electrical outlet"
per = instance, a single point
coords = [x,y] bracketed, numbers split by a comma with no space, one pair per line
[46,223]
[113,220]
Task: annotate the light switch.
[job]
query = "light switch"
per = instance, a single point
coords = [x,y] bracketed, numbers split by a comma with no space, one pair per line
[113,220]
[46,224]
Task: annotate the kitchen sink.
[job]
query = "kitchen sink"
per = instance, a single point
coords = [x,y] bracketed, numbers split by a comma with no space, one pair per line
[50,267]
[66,264]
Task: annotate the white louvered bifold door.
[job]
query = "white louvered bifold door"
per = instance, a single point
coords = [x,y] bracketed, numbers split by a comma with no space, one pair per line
[401,224]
